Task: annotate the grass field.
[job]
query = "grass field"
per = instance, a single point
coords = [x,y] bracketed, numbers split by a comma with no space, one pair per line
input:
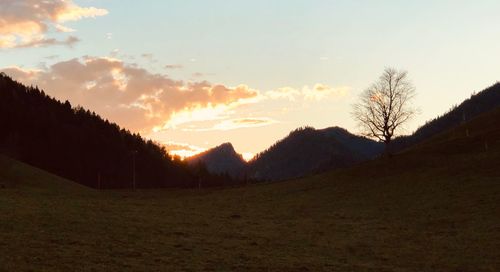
[433,208]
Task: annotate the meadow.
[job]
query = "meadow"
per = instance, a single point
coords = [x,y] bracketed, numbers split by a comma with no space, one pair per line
[432,208]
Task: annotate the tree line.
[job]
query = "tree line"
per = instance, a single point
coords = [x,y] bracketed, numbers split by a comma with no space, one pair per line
[79,145]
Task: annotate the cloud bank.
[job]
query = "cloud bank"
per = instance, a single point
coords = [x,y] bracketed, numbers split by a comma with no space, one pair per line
[25,23]
[129,95]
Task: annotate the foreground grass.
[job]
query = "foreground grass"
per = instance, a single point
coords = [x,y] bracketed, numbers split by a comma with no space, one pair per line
[364,220]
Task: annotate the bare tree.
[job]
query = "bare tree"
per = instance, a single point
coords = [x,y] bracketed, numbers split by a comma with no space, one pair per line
[385,106]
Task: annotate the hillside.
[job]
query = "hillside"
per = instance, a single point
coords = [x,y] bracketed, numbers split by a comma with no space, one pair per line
[432,208]
[306,151]
[79,145]
[222,159]
[15,175]
[476,105]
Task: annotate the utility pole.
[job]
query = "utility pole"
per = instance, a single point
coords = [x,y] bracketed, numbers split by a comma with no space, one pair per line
[133,169]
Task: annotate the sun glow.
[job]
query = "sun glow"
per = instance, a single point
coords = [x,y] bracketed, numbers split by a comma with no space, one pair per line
[185,153]
[183,150]
[247,156]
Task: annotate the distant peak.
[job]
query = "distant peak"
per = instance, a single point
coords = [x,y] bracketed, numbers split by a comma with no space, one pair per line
[336,129]
[226,145]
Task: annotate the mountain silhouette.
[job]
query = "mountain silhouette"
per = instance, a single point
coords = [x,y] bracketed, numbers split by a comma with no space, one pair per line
[307,150]
[222,159]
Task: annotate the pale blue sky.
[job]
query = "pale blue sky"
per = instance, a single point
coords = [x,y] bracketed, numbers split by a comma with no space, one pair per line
[450,48]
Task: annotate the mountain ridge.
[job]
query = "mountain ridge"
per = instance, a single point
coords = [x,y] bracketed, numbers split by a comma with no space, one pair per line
[307,151]
[222,159]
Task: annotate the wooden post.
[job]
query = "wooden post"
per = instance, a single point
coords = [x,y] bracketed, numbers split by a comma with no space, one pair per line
[134,172]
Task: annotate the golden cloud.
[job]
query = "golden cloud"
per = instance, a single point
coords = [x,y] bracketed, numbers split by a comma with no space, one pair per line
[131,96]
[24,23]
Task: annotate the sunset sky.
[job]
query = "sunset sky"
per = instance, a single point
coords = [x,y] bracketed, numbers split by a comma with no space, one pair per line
[195,74]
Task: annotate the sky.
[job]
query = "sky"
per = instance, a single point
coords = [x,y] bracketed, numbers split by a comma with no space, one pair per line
[192,75]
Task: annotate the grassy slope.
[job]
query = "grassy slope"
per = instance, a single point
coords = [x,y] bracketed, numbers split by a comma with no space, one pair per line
[25,178]
[433,208]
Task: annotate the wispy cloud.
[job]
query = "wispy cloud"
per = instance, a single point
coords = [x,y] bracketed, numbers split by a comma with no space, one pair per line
[322,91]
[25,23]
[244,123]
[63,29]
[52,57]
[69,42]
[174,66]
[198,75]
[149,57]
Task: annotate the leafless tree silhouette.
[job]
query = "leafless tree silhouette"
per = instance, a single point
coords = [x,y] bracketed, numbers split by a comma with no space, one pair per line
[385,106]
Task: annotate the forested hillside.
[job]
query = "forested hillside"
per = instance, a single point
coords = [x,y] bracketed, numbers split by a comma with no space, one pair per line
[477,104]
[77,144]
[306,151]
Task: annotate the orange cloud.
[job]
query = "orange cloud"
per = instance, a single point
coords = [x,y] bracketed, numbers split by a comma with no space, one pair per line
[24,23]
[129,95]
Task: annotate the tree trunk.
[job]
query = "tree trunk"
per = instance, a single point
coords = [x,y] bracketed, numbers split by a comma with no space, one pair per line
[387,151]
